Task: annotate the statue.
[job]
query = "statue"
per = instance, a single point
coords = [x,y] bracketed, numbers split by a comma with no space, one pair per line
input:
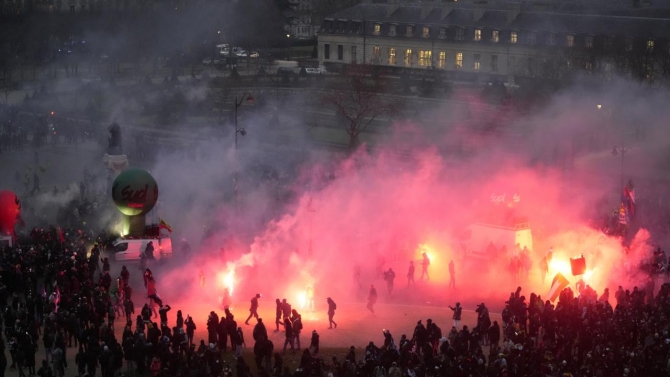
[114,159]
[114,147]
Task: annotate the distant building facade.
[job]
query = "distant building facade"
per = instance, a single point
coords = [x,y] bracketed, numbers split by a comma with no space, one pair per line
[300,24]
[499,39]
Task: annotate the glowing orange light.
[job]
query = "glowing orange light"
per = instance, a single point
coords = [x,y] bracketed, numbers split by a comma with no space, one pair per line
[302,300]
[587,275]
[563,267]
[227,279]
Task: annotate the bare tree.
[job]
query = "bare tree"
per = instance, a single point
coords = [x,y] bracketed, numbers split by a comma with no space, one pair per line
[360,99]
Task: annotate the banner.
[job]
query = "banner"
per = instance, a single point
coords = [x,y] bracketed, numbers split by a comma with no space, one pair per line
[557,286]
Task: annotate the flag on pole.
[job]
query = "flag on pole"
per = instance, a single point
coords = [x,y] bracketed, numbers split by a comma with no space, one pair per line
[163,225]
[557,285]
[61,239]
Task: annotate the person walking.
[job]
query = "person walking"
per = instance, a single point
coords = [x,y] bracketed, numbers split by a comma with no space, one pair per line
[332,306]
[410,275]
[389,276]
[372,299]
[424,266]
[278,314]
[253,310]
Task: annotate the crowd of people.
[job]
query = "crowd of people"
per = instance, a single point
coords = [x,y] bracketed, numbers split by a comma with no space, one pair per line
[57,300]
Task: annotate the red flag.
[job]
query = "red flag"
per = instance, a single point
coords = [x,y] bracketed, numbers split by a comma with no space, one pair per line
[61,239]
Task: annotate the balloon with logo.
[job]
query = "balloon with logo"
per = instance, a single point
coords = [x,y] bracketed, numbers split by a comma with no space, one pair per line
[10,211]
[135,193]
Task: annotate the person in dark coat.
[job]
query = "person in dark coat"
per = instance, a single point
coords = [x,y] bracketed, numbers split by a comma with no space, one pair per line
[30,350]
[222,332]
[314,343]
[278,314]
[494,335]
[212,326]
[259,330]
[289,335]
[372,299]
[332,306]
[149,251]
[190,329]
[253,310]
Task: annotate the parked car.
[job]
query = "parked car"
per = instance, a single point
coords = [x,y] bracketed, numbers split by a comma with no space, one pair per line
[285,71]
[313,71]
[90,80]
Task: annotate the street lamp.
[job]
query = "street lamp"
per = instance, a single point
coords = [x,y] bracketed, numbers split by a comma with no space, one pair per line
[246,97]
[249,101]
[620,150]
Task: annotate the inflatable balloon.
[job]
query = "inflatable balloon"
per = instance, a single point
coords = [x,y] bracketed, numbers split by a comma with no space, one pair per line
[10,211]
[135,192]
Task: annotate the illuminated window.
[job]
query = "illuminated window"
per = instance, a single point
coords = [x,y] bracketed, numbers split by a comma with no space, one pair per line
[494,63]
[442,61]
[425,57]
[551,39]
[532,38]
[443,33]
[376,53]
[570,40]
[650,45]
[408,57]
[425,32]
[478,63]
[588,41]
[478,35]
[392,30]
[392,59]
[459,34]
[495,36]
[409,31]
[513,37]
[377,30]
[459,60]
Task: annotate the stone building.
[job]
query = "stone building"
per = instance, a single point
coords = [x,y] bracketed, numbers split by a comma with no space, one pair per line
[501,39]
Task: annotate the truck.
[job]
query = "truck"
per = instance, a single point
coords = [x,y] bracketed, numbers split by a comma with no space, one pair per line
[6,241]
[477,237]
[131,249]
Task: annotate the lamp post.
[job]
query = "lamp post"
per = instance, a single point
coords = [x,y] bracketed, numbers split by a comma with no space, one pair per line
[620,150]
[250,101]
[275,117]
[617,149]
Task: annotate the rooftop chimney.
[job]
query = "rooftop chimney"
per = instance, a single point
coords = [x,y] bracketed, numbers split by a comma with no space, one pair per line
[513,10]
[479,10]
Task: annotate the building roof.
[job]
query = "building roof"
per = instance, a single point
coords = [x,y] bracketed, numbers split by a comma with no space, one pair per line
[613,20]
